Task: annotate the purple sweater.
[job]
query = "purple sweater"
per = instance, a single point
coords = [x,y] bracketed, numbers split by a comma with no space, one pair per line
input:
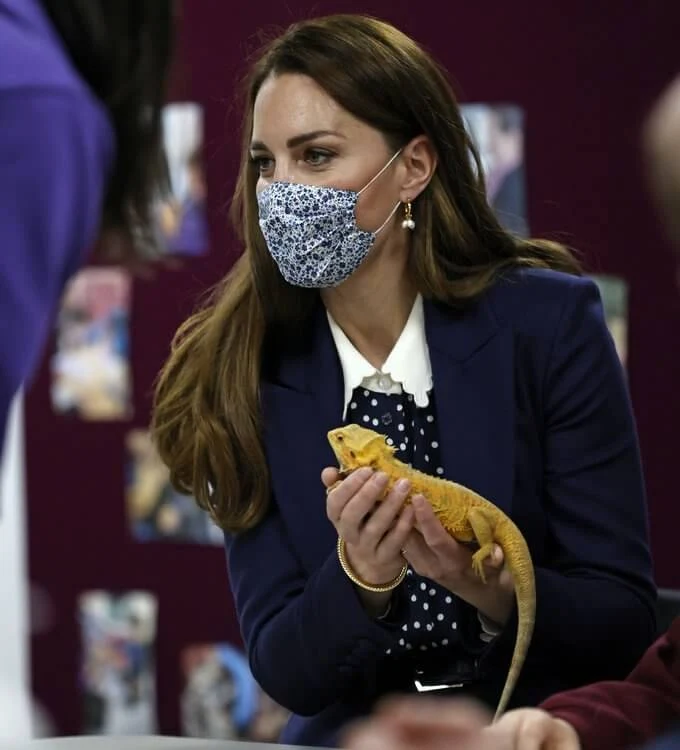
[56,150]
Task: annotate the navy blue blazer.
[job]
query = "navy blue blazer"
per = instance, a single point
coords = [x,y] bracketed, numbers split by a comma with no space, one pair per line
[534,414]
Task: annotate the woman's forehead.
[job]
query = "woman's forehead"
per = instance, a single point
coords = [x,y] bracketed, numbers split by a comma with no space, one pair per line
[290,105]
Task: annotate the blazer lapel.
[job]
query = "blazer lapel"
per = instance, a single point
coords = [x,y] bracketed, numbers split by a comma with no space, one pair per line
[301,403]
[473,374]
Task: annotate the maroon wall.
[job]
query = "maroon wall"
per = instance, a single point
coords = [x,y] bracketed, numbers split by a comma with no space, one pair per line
[584,76]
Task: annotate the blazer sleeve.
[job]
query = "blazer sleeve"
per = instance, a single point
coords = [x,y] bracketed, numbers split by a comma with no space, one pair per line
[282,611]
[632,711]
[595,595]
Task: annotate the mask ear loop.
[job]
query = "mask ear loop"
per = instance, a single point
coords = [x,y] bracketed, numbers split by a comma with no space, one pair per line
[368,184]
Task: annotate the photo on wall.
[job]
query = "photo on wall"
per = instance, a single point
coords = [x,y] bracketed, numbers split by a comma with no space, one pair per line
[117,674]
[497,131]
[156,511]
[90,368]
[614,293]
[182,215]
[221,699]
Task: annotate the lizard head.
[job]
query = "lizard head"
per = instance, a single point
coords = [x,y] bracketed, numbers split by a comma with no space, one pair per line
[355,446]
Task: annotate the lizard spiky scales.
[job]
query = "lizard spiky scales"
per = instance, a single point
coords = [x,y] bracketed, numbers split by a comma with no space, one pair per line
[467,517]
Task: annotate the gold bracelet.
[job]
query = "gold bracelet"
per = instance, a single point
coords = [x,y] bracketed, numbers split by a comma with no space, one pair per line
[375,588]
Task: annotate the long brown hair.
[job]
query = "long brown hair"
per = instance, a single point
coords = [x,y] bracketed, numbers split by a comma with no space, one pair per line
[206,420]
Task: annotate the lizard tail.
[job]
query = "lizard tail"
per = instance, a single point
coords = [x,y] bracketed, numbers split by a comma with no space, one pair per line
[521,567]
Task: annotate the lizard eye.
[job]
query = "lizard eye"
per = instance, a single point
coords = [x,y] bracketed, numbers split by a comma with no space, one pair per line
[340,438]
[352,454]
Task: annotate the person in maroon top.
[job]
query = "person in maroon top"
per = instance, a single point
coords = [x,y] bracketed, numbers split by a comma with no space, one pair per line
[612,715]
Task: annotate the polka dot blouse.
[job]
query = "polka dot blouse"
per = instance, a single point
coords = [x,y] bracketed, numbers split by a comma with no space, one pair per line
[412,430]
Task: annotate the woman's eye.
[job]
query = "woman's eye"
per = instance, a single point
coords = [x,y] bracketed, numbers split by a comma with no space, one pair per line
[317,158]
[263,164]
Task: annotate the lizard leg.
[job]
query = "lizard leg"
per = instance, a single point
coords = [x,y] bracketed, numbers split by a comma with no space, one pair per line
[482,528]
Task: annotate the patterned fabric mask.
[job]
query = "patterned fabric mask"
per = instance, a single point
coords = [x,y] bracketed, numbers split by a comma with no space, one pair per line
[311,231]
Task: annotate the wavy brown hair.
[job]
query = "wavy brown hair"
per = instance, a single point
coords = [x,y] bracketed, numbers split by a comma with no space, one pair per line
[207,421]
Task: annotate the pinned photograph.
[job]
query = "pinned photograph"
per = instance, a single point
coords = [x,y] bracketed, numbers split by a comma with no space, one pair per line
[117,678]
[614,293]
[181,216]
[90,369]
[222,700]
[497,131]
[156,511]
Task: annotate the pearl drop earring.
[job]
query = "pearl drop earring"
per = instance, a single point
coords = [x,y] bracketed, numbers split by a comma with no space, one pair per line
[408,222]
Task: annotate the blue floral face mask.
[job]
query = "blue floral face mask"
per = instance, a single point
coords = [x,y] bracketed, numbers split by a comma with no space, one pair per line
[311,231]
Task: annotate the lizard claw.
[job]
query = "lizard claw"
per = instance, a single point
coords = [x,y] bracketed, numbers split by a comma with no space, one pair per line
[478,563]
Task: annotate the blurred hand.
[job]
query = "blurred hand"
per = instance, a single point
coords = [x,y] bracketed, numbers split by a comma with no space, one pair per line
[457,724]
[423,724]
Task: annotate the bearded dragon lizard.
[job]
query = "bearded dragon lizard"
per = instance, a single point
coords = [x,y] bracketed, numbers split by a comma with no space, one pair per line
[465,515]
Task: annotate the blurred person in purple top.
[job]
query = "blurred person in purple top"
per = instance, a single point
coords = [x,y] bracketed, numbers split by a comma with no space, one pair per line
[82,84]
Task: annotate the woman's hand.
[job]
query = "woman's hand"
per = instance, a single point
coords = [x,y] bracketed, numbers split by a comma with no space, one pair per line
[433,553]
[374,532]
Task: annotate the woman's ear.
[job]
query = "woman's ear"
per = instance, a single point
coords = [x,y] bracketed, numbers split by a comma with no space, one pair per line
[420,162]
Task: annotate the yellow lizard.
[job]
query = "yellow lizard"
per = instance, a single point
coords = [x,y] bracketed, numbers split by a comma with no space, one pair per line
[467,517]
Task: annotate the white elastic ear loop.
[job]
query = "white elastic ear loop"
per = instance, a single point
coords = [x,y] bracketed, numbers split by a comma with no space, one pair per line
[368,184]
[394,210]
[384,224]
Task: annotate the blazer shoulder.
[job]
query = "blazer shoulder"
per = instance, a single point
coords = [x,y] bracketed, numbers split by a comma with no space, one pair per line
[534,300]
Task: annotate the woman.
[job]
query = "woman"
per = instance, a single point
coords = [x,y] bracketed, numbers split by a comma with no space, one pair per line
[377,286]
[82,85]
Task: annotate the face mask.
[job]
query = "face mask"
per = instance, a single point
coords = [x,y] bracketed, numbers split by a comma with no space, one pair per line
[312,233]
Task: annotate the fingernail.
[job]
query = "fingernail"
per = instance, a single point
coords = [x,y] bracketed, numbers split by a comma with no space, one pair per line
[402,485]
[380,478]
[365,472]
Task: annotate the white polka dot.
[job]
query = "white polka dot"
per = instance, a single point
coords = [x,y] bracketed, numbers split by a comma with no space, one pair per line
[389,651]
[375,422]
[402,446]
[440,470]
[454,626]
[434,645]
[374,402]
[401,641]
[410,397]
[390,441]
[414,447]
[426,605]
[423,647]
[431,592]
[366,418]
[416,625]
[408,646]
[435,444]
[430,418]
[423,586]
[404,627]
[448,600]
[429,626]
[445,641]
[440,617]
[413,424]
[365,393]
[427,458]
[405,439]
[422,431]
[400,427]
[400,407]
[414,598]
